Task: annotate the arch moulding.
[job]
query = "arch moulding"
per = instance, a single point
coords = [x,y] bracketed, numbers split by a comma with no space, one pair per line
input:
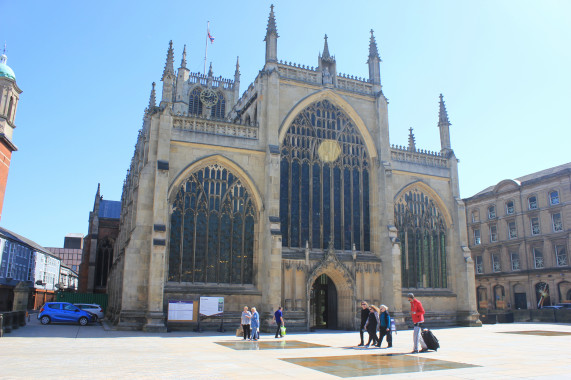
[339,102]
[225,162]
[433,195]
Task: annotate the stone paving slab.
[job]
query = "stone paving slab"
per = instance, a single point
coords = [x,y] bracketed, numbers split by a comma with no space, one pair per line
[98,352]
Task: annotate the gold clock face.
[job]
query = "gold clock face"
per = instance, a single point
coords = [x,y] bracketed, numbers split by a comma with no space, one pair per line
[329,150]
[208,97]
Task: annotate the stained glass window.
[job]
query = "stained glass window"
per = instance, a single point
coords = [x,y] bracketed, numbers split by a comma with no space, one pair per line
[324,188]
[212,229]
[422,233]
[194,103]
[219,109]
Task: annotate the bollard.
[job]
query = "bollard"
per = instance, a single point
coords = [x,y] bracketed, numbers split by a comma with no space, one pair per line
[22,318]
[1,325]
[7,322]
[15,323]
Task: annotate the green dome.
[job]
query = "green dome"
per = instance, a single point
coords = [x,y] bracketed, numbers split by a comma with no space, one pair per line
[5,70]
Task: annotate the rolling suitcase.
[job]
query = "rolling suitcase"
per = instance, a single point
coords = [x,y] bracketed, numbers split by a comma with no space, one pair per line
[430,340]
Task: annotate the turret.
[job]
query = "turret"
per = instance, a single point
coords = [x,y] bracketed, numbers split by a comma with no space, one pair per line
[374,61]
[168,77]
[271,38]
[9,96]
[444,126]
[181,99]
[237,79]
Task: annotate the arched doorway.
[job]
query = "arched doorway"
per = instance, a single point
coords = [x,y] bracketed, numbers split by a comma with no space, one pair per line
[323,303]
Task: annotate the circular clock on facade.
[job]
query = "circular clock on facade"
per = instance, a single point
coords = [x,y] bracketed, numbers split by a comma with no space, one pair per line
[208,97]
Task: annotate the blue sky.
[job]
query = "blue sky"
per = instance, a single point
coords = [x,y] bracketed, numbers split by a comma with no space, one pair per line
[86,70]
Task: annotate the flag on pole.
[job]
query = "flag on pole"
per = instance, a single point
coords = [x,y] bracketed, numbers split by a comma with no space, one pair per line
[209,35]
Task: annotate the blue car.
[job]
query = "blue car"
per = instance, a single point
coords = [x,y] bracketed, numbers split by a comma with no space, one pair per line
[63,312]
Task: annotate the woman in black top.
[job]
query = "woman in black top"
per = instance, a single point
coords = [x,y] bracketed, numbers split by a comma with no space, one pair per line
[364,316]
[371,325]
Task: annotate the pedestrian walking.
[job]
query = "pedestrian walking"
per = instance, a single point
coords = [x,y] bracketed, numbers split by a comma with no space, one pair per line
[385,326]
[417,313]
[246,317]
[279,318]
[255,324]
[364,317]
[371,325]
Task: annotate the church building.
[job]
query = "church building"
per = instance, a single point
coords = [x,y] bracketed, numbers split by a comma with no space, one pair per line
[290,195]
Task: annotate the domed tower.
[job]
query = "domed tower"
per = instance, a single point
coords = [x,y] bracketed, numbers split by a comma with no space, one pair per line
[9,96]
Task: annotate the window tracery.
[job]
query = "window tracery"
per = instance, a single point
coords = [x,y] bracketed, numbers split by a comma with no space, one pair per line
[325,175]
[212,229]
[194,103]
[422,232]
[218,110]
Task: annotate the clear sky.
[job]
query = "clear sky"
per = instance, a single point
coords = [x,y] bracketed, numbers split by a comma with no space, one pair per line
[86,69]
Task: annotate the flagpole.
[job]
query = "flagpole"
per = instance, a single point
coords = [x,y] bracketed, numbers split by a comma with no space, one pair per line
[206,46]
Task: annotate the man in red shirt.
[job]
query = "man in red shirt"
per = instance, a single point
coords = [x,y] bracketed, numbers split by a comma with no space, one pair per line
[417,313]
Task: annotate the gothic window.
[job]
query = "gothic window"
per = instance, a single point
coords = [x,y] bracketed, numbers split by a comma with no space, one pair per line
[219,109]
[248,120]
[103,261]
[324,188]
[194,103]
[212,229]
[422,232]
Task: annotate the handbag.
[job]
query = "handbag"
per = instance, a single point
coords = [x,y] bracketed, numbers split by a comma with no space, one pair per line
[240,331]
[283,330]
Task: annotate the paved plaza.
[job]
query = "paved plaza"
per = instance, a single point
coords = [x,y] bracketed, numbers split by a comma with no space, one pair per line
[502,351]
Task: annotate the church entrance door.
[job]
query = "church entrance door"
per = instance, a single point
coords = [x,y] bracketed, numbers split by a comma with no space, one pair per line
[323,303]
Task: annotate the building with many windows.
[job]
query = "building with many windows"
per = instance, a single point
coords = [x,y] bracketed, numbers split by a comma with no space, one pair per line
[289,194]
[519,237]
[23,260]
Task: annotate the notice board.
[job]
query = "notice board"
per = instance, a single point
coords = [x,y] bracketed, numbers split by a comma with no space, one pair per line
[211,306]
[181,311]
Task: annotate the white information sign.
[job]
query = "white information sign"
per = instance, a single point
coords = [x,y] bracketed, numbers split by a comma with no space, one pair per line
[181,311]
[211,306]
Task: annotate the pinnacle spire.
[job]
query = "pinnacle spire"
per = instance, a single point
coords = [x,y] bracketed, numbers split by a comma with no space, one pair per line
[169,65]
[373,51]
[152,98]
[442,113]
[210,72]
[237,72]
[271,29]
[326,49]
[183,60]
[411,142]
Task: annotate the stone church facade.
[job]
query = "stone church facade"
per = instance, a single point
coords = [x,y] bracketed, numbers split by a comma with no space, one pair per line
[290,195]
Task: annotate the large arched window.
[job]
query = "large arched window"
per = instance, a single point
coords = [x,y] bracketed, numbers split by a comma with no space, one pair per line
[103,261]
[212,229]
[194,103]
[324,188]
[219,109]
[422,232]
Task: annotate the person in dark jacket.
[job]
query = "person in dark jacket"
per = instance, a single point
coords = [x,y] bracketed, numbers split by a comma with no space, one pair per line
[385,326]
[371,325]
[364,317]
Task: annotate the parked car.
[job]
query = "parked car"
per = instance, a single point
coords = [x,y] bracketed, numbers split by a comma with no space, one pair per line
[92,308]
[64,312]
[564,305]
